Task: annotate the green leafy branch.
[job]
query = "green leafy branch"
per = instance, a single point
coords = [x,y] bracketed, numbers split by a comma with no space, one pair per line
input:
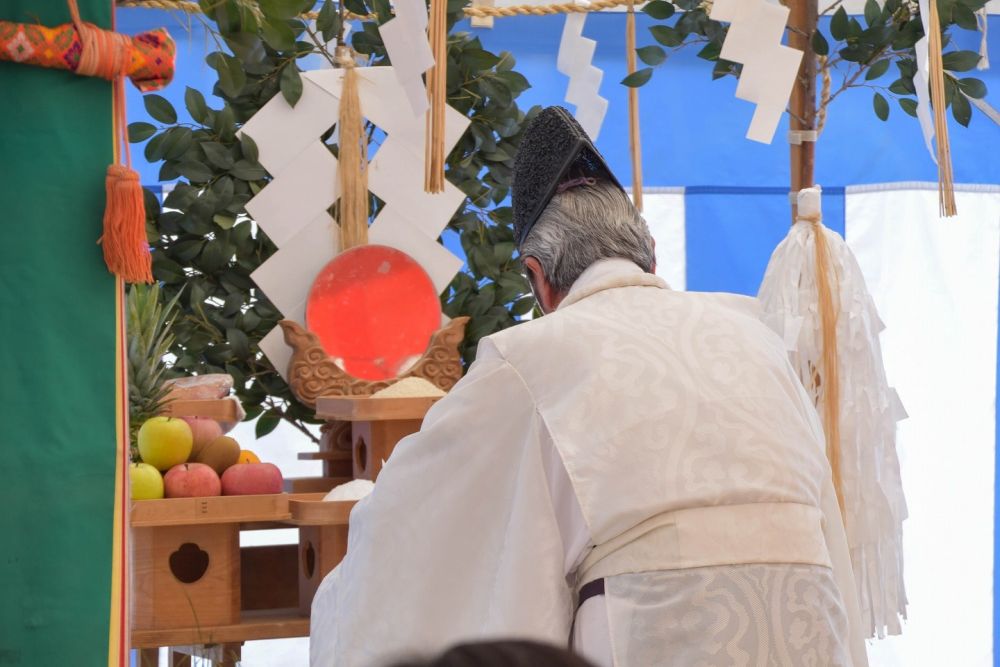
[887,36]
[205,243]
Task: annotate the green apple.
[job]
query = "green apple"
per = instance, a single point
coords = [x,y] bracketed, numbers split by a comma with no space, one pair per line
[164,442]
[145,481]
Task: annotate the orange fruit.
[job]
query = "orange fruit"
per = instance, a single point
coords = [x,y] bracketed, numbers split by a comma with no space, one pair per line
[246,456]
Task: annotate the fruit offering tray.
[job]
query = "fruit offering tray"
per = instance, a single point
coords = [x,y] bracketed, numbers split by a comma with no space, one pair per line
[194,584]
[294,509]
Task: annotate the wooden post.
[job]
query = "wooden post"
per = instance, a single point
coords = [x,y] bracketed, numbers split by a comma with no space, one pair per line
[802,22]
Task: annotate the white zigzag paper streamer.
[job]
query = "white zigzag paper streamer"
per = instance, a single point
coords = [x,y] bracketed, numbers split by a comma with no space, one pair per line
[921,81]
[576,53]
[292,208]
[405,38]
[769,67]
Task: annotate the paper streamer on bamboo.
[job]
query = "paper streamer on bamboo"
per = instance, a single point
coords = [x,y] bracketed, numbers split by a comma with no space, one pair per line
[305,172]
[405,39]
[575,55]
[769,67]
[869,408]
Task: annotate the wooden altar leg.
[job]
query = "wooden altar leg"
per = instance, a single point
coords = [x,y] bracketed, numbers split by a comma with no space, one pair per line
[220,655]
[231,655]
[149,657]
[374,442]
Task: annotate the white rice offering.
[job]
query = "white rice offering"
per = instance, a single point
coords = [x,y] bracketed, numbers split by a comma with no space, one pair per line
[353,490]
[411,387]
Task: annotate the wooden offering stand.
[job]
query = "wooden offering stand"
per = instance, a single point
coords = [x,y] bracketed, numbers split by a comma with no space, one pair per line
[195,589]
[317,381]
[198,592]
[377,424]
[195,586]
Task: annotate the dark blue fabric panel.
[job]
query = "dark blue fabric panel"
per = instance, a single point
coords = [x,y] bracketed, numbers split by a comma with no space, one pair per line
[692,128]
[731,233]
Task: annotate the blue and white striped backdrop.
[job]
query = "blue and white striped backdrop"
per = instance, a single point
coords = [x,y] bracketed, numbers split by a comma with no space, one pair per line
[936,284]
[718,205]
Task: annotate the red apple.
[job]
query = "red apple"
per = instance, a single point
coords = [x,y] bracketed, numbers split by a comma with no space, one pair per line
[203,431]
[191,480]
[245,479]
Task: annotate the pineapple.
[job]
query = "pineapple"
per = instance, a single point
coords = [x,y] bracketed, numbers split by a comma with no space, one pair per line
[147,326]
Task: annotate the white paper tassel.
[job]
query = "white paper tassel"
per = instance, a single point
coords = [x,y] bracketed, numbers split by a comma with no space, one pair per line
[869,409]
[576,54]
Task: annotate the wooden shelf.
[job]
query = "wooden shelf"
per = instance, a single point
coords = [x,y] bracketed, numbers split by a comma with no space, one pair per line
[335,455]
[369,408]
[219,409]
[215,509]
[271,624]
[321,512]
[298,485]
[256,512]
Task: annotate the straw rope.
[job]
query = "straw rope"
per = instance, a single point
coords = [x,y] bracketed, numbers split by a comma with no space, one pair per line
[544,10]
[824,96]
[476,12]
[827,379]
[946,180]
[352,172]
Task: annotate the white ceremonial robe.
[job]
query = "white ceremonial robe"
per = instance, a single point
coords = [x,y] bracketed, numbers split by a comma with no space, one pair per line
[658,439]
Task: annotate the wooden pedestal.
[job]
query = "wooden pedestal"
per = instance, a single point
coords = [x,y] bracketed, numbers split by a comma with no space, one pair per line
[321,548]
[377,425]
[194,585]
[374,442]
[186,576]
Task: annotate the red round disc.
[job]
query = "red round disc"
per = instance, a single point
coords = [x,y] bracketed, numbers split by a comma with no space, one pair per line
[374,309]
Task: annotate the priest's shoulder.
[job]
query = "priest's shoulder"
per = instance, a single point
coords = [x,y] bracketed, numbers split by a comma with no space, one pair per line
[747,305]
[524,331]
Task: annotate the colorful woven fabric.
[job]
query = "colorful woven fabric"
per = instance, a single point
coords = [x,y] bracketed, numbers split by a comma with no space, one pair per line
[152,54]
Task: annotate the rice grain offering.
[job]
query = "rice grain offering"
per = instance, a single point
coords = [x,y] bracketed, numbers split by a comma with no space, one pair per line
[411,387]
[353,490]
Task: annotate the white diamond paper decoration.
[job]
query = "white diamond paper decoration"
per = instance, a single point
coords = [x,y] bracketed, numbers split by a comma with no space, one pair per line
[291,209]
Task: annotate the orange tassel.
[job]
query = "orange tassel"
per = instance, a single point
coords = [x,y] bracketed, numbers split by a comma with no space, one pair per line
[126,250]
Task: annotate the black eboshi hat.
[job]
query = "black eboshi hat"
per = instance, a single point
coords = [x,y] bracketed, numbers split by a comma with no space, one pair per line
[554,149]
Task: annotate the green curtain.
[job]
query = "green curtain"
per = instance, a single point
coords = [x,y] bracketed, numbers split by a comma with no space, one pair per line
[57,354]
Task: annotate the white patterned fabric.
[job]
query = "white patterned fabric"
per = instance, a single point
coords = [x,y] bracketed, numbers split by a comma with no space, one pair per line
[730,616]
[655,401]
[874,504]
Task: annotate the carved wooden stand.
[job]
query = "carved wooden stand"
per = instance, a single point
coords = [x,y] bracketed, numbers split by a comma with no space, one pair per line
[312,373]
[376,425]
[353,445]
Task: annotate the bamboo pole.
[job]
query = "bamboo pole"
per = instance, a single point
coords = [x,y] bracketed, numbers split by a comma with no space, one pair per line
[634,141]
[802,21]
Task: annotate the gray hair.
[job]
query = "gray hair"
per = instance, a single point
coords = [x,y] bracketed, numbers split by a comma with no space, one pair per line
[583,225]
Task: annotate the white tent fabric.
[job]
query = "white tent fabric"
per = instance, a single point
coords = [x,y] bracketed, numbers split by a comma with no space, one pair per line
[663,209]
[934,282]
